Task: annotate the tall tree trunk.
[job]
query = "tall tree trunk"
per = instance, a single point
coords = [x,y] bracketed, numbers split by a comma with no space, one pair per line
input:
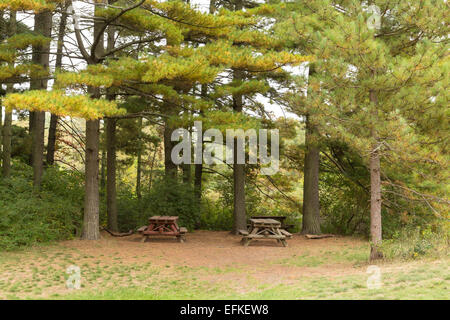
[92,195]
[51,142]
[43,26]
[7,126]
[239,215]
[139,161]
[198,168]
[7,133]
[111,193]
[375,191]
[111,145]
[91,201]
[311,215]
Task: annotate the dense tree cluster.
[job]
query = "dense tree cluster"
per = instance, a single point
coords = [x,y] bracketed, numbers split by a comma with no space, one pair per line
[367,80]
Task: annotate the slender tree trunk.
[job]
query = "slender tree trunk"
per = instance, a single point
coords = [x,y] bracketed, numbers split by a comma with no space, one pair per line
[139,161]
[239,215]
[375,191]
[91,201]
[111,193]
[38,148]
[311,215]
[43,26]
[150,180]
[51,142]
[198,168]
[92,195]
[7,126]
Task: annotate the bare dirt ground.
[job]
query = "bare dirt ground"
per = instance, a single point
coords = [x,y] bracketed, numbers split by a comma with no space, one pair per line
[211,249]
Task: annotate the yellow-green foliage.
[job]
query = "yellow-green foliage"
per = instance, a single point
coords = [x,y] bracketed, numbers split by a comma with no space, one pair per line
[8,49]
[33,5]
[22,70]
[58,103]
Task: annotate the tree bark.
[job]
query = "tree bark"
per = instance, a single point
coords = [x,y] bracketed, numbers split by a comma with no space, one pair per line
[91,201]
[7,125]
[43,26]
[111,192]
[38,148]
[6,155]
[375,190]
[311,214]
[239,215]
[198,168]
[92,195]
[51,142]
[139,161]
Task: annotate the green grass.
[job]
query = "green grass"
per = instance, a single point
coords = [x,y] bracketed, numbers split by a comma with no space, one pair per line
[41,274]
[422,282]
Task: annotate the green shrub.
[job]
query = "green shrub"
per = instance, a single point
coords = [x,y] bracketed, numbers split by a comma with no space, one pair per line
[166,198]
[27,217]
[414,242]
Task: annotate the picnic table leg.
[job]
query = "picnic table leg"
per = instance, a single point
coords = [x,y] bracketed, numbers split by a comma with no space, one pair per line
[247,242]
[143,238]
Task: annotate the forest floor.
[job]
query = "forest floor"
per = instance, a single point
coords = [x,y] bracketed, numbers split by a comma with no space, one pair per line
[214,265]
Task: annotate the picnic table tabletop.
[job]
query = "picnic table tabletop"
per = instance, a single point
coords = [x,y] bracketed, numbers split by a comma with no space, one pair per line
[163,219]
[280,218]
[265,222]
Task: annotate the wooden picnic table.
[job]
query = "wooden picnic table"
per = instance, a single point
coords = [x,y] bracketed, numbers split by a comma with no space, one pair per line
[163,226]
[264,229]
[279,218]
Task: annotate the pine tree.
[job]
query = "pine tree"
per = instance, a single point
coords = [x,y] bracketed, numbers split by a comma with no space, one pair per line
[372,81]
